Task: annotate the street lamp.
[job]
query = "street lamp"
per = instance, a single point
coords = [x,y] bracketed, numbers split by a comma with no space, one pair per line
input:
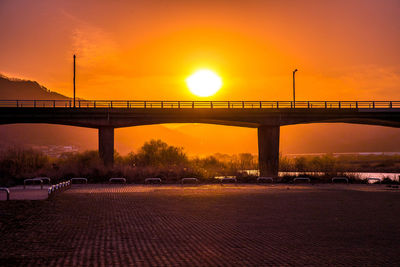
[294,88]
[74,80]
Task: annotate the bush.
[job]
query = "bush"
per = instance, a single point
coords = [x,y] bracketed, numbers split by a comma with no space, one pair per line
[17,164]
[159,153]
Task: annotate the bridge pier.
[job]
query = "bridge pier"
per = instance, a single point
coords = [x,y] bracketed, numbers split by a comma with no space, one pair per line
[268,150]
[106,145]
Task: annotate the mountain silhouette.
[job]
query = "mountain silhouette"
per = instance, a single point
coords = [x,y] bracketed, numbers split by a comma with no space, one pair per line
[18,89]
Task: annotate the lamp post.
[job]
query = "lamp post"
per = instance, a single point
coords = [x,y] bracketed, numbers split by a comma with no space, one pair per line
[74,79]
[294,88]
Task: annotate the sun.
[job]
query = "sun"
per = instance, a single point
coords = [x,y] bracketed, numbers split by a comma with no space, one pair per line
[204,83]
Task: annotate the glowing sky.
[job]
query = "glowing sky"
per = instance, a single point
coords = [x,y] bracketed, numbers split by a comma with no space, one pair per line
[146,49]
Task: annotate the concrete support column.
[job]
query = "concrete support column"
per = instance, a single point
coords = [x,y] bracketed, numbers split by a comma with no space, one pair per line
[268,150]
[106,145]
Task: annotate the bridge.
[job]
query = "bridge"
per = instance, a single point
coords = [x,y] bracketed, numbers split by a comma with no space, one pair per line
[266,116]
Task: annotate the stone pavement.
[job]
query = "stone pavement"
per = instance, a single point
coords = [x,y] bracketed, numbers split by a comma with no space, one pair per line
[209,225]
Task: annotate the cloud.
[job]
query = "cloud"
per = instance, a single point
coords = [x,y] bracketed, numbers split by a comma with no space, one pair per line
[92,45]
[378,82]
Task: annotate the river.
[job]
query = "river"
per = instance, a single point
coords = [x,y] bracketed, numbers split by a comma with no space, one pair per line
[361,175]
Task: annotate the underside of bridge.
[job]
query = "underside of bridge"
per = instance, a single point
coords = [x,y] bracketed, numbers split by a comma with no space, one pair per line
[268,148]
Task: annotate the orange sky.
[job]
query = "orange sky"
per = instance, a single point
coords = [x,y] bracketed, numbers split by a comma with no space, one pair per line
[145,49]
[344,50]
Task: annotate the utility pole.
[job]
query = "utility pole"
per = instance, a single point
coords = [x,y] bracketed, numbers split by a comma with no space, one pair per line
[74,79]
[294,88]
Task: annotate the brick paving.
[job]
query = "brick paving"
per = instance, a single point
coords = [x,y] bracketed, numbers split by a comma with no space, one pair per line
[126,225]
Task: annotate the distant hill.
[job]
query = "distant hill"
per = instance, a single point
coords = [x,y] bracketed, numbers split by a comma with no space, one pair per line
[200,139]
[11,88]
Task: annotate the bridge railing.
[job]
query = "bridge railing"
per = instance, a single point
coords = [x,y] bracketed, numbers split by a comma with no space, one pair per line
[137,104]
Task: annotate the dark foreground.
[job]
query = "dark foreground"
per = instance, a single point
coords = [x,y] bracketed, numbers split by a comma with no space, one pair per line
[98,225]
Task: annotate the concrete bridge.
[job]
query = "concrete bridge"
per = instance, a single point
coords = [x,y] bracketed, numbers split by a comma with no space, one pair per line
[266,116]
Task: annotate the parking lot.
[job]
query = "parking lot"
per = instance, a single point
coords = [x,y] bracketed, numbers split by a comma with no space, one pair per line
[206,225]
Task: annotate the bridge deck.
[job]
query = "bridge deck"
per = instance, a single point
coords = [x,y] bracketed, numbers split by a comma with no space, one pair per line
[201,104]
[96,114]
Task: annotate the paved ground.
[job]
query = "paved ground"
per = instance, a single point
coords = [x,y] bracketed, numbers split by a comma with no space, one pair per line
[106,225]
